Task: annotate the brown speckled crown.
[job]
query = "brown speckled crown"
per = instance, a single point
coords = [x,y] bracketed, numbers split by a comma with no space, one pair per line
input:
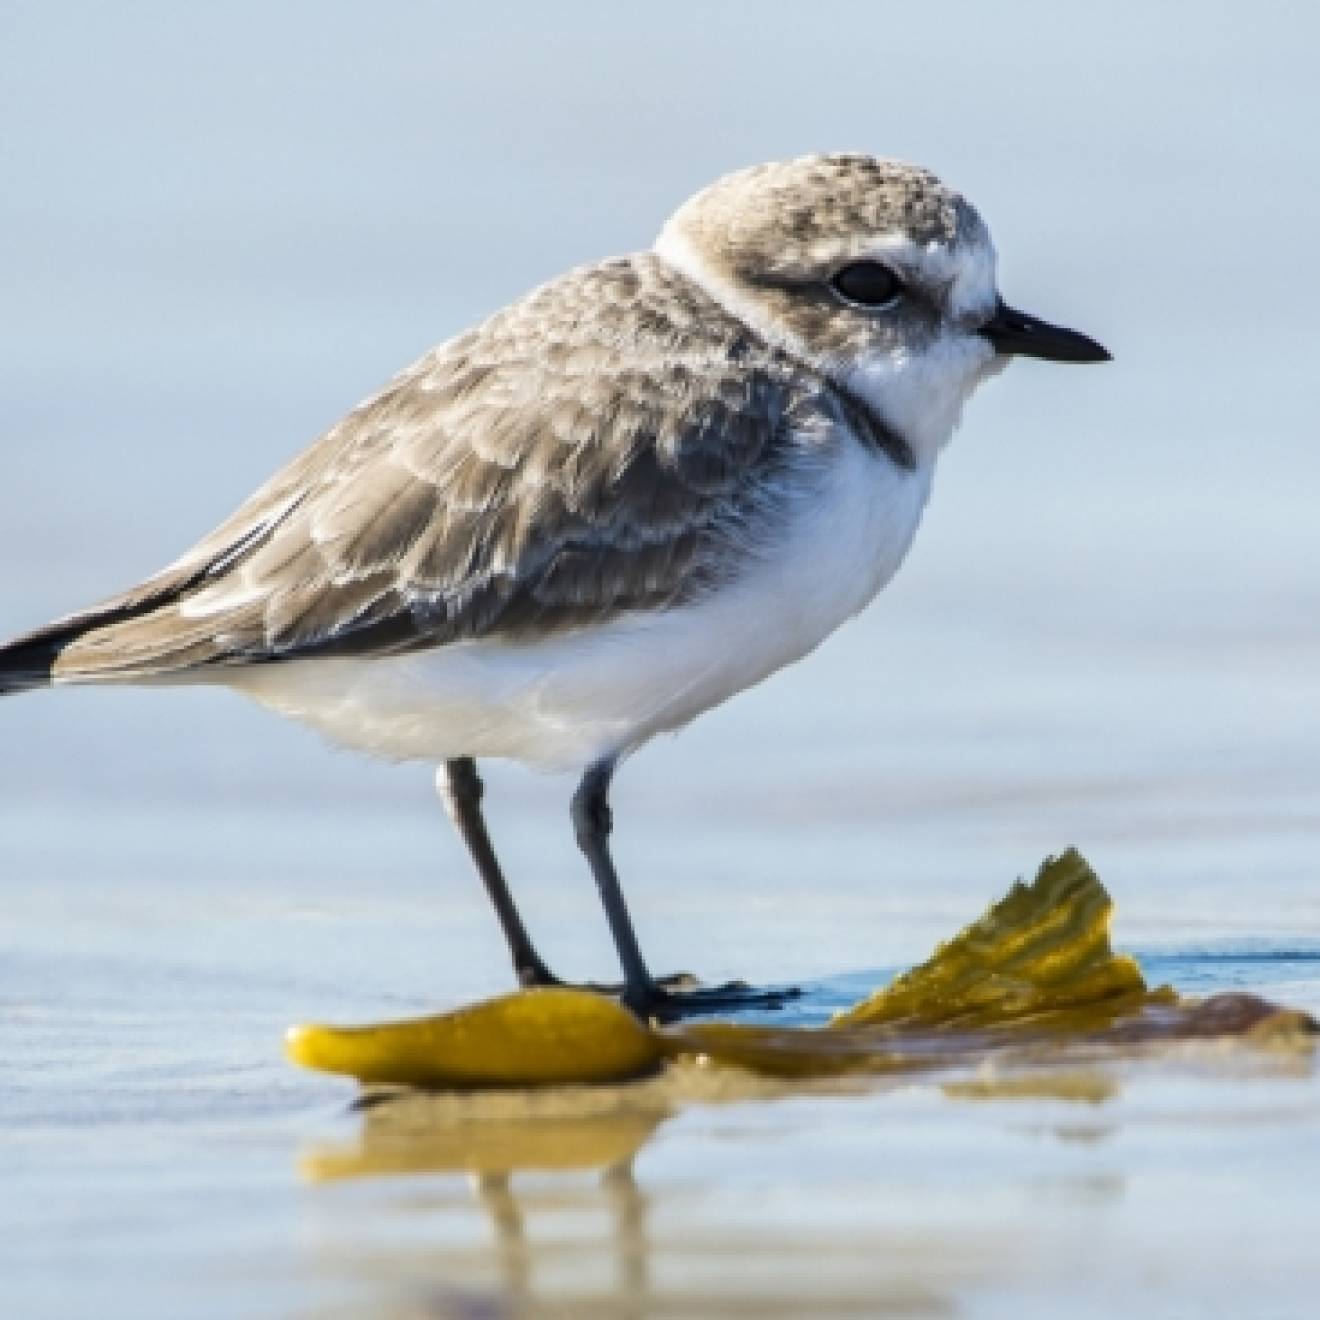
[774,233]
[772,219]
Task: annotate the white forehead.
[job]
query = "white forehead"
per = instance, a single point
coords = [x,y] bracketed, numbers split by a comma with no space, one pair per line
[965,269]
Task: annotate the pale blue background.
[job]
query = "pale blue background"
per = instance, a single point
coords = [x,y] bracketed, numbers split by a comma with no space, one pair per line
[220,226]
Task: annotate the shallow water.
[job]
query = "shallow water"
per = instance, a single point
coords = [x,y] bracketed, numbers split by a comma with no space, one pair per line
[221,228]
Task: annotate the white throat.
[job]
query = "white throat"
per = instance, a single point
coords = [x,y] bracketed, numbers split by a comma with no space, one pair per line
[921,395]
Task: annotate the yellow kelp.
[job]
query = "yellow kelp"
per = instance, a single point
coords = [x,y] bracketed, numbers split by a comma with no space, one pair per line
[1037,961]
[1041,952]
[530,1038]
[1035,971]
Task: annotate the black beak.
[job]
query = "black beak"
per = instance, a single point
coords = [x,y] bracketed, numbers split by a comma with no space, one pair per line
[1012,331]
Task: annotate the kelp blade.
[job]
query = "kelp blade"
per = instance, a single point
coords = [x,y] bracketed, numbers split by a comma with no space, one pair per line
[1042,952]
[530,1038]
[1038,964]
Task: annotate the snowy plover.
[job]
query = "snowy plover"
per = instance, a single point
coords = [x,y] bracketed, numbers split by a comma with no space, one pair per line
[638,490]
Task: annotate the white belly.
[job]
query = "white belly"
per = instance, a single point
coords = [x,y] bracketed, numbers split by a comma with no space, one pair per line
[573,699]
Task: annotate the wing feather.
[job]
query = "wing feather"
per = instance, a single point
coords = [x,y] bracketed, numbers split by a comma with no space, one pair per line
[603,446]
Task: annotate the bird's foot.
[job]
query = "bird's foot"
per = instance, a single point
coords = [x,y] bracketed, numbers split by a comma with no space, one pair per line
[668,998]
[662,1003]
[540,976]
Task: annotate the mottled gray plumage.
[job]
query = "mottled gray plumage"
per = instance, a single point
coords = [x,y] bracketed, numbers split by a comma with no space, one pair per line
[603,445]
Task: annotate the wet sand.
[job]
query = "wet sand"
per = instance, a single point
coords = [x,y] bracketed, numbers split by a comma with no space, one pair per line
[159,1151]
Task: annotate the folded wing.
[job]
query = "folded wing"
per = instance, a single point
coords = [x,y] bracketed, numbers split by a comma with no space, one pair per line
[606,445]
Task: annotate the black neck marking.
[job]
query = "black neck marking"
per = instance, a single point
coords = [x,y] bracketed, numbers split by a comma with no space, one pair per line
[872,429]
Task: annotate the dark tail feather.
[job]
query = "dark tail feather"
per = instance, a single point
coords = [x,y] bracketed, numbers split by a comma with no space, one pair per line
[25,664]
[28,662]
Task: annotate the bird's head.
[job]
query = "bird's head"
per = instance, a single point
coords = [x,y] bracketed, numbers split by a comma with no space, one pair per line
[871,270]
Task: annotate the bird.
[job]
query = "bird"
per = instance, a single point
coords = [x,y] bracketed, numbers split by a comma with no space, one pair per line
[638,490]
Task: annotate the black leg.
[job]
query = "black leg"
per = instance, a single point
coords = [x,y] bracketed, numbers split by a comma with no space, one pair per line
[592,822]
[460,790]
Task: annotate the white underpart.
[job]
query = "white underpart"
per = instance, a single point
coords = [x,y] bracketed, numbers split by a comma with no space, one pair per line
[570,700]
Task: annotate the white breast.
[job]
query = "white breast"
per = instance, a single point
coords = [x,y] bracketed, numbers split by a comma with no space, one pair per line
[570,700]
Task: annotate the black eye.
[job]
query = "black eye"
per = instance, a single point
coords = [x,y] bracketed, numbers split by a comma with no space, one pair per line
[867,283]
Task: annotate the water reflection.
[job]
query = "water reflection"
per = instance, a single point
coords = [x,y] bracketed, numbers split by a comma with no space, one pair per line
[400,1136]
[538,1212]
[396,1138]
